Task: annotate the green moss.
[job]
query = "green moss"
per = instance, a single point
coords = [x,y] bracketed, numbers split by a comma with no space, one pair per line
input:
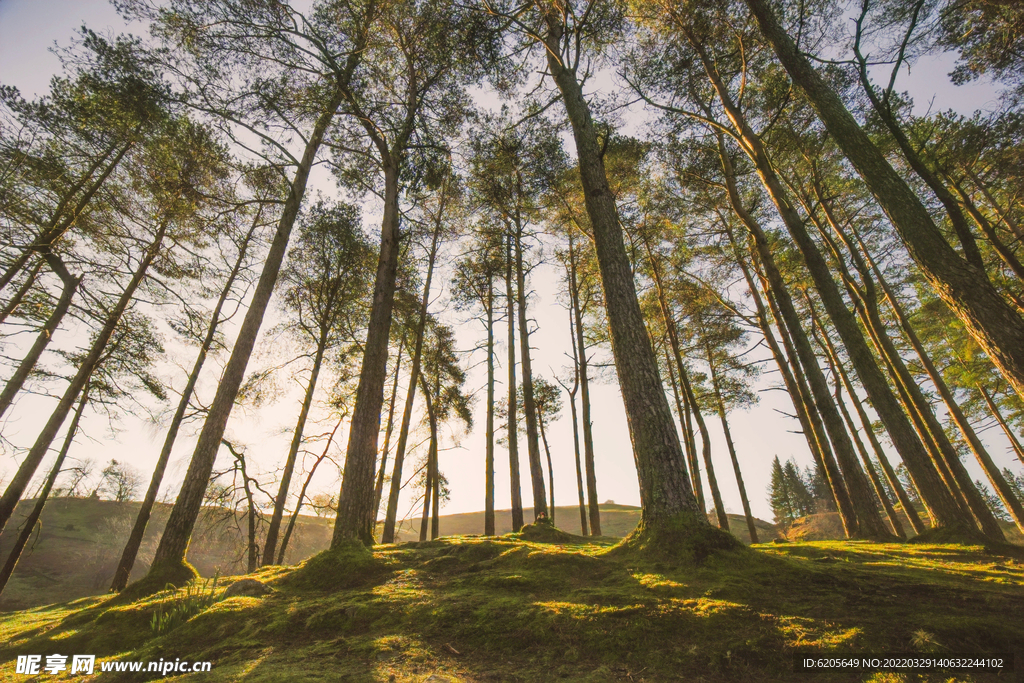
[510,609]
[687,539]
[543,531]
[350,565]
[159,577]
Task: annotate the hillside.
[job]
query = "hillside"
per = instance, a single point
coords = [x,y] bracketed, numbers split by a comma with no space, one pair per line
[79,543]
[519,608]
[616,522]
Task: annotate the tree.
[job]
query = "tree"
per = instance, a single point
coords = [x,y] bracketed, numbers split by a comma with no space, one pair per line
[326,283]
[567,34]
[119,481]
[217,317]
[440,213]
[279,61]
[474,284]
[424,55]
[993,322]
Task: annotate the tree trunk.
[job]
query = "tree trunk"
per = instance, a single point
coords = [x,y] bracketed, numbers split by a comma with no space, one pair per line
[802,405]
[687,428]
[252,548]
[839,373]
[575,425]
[489,456]
[751,529]
[994,409]
[270,544]
[131,548]
[44,493]
[430,489]
[378,489]
[356,517]
[302,495]
[956,217]
[59,223]
[588,429]
[19,295]
[691,446]
[529,404]
[513,433]
[668,503]
[1005,253]
[391,518]
[551,469]
[994,323]
[28,363]
[932,435]
[869,522]
[705,436]
[852,504]
[170,554]
[42,445]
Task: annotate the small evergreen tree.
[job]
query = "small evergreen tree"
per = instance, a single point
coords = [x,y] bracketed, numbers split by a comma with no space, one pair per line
[779,496]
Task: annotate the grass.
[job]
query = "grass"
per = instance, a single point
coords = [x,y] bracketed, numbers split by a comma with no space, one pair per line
[513,609]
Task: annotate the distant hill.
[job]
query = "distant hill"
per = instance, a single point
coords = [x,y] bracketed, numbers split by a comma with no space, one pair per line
[79,541]
[616,521]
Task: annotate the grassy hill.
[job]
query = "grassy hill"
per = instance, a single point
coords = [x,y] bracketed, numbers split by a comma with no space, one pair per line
[616,522]
[79,542]
[523,608]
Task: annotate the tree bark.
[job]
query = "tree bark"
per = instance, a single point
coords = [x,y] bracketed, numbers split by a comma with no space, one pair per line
[131,548]
[915,398]
[852,504]
[356,517]
[31,462]
[430,488]
[682,406]
[994,323]
[181,522]
[575,424]
[551,469]
[391,518]
[996,413]
[705,437]
[839,373]
[489,455]
[720,403]
[588,429]
[869,522]
[513,427]
[666,496]
[684,416]
[302,495]
[378,489]
[70,286]
[44,493]
[797,391]
[529,404]
[270,544]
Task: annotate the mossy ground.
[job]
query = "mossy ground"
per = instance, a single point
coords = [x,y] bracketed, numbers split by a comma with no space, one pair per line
[512,609]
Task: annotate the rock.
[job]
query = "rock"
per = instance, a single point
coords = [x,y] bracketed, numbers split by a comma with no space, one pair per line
[248,587]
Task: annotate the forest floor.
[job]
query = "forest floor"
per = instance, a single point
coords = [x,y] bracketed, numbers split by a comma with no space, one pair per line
[542,606]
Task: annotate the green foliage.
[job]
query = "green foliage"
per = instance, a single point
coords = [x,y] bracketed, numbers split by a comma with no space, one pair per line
[187,603]
[788,494]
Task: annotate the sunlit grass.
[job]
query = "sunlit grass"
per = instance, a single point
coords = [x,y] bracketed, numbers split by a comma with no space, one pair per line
[501,609]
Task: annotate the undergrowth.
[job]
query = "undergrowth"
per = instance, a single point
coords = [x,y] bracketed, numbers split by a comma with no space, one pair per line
[564,608]
[195,598]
